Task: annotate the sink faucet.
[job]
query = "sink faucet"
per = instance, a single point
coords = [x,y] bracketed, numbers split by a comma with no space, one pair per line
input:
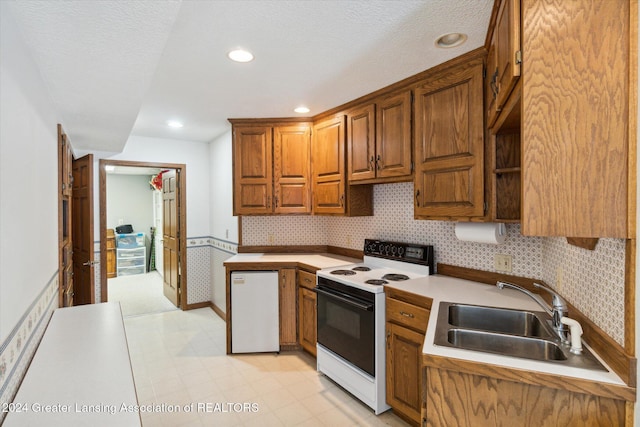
[557,311]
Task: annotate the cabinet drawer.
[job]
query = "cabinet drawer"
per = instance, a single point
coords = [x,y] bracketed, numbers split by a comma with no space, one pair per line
[131,253]
[406,314]
[306,279]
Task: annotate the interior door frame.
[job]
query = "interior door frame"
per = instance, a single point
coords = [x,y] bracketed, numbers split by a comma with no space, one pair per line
[181,177]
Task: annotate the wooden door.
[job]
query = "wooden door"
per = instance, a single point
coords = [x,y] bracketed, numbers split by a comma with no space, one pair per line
[288,313]
[404,373]
[82,225]
[171,237]
[361,143]
[307,319]
[65,242]
[291,171]
[393,131]
[449,144]
[579,119]
[252,170]
[507,45]
[328,163]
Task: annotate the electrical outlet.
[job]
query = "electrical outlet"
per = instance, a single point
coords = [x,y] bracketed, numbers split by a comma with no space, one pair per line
[271,238]
[502,262]
[349,240]
[226,233]
[120,221]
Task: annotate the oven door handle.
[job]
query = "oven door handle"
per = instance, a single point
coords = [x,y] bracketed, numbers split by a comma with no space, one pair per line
[346,300]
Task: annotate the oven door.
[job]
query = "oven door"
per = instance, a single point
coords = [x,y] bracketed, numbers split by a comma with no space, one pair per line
[346,325]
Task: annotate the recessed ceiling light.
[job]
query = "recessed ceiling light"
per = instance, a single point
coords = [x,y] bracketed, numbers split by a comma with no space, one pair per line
[240,55]
[174,124]
[450,40]
[302,110]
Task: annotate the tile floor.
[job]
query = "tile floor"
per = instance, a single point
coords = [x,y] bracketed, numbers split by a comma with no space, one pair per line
[179,361]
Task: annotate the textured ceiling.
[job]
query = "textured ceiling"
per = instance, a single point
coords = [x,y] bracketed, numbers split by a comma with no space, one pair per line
[120,67]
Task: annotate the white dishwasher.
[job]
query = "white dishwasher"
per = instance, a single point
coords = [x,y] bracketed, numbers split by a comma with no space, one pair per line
[255,326]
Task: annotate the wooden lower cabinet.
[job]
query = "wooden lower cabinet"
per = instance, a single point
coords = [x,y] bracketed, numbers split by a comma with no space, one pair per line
[287,297]
[407,316]
[307,312]
[462,399]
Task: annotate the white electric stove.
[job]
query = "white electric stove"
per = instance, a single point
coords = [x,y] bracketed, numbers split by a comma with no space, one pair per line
[351,315]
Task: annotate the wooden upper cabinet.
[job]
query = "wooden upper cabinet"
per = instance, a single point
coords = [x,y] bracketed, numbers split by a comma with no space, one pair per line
[379,139]
[449,143]
[361,143]
[393,132]
[271,169]
[252,170]
[328,160]
[291,164]
[508,55]
[579,118]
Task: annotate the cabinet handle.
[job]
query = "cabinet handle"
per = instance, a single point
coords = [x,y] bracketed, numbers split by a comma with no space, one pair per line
[307,280]
[388,339]
[409,315]
[371,162]
[275,201]
[268,201]
[417,197]
[379,162]
[342,201]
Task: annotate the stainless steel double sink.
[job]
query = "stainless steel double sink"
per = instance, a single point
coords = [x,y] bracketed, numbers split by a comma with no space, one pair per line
[508,332]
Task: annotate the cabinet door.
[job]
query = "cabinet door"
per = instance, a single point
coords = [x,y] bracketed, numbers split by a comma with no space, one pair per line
[507,45]
[578,162]
[252,170]
[288,314]
[449,144]
[404,362]
[291,177]
[328,163]
[307,327]
[361,143]
[393,136]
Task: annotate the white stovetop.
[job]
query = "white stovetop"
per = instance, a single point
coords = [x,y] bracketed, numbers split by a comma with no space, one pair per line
[444,288]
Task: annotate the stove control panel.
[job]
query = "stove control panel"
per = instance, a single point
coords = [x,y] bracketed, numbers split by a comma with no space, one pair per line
[407,252]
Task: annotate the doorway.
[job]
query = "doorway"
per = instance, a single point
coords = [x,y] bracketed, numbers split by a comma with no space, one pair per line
[172,277]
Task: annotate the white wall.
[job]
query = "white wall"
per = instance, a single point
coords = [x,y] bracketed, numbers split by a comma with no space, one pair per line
[28,179]
[130,199]
[195,155]
[223,224]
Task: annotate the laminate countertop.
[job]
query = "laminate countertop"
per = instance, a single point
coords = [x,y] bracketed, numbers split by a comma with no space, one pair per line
[450,289]
[81,373]
[315,260]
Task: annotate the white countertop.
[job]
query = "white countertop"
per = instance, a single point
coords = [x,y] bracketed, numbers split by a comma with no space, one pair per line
[449,289]
[81,373]
[323,260]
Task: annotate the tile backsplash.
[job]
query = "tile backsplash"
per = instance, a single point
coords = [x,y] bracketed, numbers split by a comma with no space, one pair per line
[593,281]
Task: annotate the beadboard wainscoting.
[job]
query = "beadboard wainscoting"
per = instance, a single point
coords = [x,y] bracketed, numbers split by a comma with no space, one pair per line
[18,348]
[593,281]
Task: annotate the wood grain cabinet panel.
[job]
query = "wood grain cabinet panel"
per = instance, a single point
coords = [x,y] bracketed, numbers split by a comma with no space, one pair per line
[461,399]
[271,169]
[331,194]
[379,139]
[307,311]
[579,118]
[407,316]
[449,144]
[288,312]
